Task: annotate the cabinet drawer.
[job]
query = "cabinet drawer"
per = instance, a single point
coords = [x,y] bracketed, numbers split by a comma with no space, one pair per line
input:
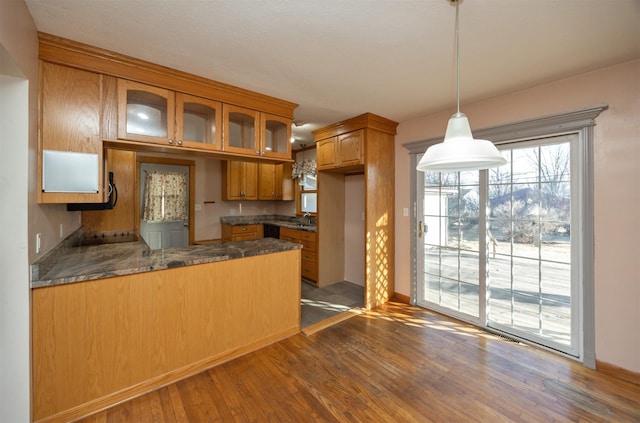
[309,256]
[288,233]
[307,236]
[244,229]
[244,237]
[309,270]
[297,234]
[308,245]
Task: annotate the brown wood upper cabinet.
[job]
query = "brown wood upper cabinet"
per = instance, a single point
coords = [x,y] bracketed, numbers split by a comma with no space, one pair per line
[239,180]
[256,181]
[161,116]
[70,121]
[255,133]
[273,184]
[267,182]
[341,151]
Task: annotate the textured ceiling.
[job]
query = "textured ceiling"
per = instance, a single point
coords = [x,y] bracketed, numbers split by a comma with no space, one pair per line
[341,58]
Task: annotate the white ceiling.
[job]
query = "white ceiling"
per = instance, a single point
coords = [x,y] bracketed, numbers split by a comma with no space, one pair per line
[340,58]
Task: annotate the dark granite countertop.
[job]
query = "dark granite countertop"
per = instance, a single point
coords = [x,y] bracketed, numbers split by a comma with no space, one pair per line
[70,263]
[292,222]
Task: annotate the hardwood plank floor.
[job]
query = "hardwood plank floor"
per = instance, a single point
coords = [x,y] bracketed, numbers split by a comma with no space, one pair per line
[395,364]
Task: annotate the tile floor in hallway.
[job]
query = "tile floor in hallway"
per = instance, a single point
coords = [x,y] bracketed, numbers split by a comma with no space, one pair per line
[318,304]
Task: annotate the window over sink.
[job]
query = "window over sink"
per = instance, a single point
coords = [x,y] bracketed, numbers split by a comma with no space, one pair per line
[308,194]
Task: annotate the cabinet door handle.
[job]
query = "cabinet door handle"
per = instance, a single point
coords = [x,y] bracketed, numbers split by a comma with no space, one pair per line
[179,142]
[170,141]
[420,229]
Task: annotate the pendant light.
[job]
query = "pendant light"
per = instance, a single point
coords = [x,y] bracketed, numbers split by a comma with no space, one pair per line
[459,150]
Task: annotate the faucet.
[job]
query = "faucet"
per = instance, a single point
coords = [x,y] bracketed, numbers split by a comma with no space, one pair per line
[308,216]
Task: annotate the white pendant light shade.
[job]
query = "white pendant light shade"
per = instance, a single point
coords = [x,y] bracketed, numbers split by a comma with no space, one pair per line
[460,151]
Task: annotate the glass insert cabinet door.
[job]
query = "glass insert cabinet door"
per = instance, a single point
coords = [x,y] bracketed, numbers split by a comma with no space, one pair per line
[198,122]
[276,136]
[145,113]
[241,129]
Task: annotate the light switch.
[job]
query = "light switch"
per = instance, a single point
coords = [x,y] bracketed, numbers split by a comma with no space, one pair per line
[405,212]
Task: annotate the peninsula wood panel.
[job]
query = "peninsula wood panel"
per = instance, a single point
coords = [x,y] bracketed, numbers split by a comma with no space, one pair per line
[100,342]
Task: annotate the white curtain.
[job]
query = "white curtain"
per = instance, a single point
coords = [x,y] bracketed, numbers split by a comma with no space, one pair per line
[307,167]
[165,196]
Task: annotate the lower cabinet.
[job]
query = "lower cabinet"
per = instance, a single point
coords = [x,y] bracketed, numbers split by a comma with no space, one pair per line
[309,242]
[242,232]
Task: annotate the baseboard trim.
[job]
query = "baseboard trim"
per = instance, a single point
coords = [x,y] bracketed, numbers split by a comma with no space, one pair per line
[323,324]
[618,372]
[150,385]
[401,298]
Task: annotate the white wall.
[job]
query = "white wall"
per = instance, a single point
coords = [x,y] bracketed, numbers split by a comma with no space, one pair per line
[616,190]
[18,101]
[14,255]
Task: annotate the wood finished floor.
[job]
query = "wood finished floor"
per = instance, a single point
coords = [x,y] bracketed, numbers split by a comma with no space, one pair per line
[395,364]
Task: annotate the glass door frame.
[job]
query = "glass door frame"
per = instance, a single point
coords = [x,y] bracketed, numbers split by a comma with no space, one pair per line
[580,122]
[479,320]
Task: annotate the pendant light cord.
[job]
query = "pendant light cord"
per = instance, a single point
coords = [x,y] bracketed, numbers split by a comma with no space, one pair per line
[457,59]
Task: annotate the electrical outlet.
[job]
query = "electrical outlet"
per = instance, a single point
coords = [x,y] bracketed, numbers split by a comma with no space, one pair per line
[38,239]
[405,212]
[197,207]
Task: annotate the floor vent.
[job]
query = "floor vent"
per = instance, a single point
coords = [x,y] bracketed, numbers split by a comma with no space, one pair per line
[502,336]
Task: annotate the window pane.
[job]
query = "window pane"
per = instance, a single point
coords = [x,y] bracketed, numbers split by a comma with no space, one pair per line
[309,202]
[555,163]
[309,182]
[525,165]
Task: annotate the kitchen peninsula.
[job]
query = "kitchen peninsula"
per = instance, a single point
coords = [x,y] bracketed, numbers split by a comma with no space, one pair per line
[113,321]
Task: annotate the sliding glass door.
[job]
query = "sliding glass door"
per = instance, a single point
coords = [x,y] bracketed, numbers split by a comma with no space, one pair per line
[497,248]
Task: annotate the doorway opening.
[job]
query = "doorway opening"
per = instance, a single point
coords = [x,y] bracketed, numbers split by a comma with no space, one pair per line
[164,204]
[323,303]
